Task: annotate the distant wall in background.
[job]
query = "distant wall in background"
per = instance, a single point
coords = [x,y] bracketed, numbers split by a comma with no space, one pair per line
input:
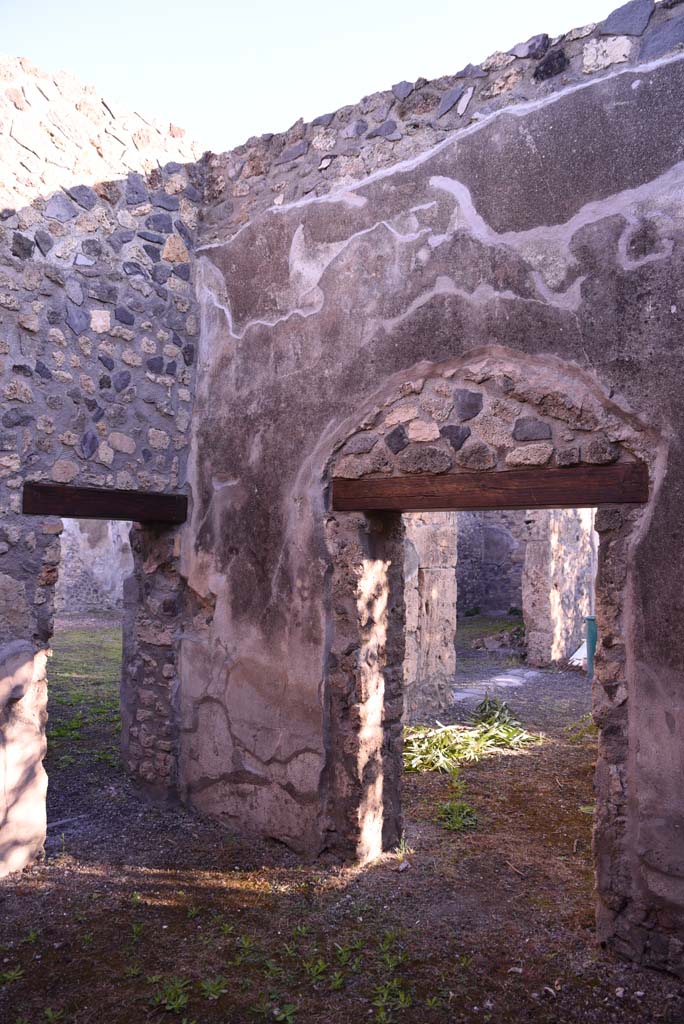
[491,552]
[558,581]
[96,557]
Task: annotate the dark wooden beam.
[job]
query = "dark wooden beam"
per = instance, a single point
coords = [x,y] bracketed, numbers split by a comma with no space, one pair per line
[579,487]
[40,499]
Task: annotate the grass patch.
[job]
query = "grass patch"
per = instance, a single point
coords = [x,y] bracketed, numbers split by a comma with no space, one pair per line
[83,697]
[456,814]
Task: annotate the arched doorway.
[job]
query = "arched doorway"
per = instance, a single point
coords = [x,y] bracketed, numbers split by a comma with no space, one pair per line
[493,430]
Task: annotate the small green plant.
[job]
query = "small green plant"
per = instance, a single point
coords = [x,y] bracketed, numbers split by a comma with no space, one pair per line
[336,981]
[582,730]
[53,1016]
[315,969]
[493,711]
[107,757]
[457,816]
[388,939]
[13,974]
[193,912]
[173,995]
[137,930]
[31,937]
[355,964]
[402,849]
[133,971]
[343,954]
[247,950]
[391,995]
[69,729]
[392,960]
[214,988]
[136,898]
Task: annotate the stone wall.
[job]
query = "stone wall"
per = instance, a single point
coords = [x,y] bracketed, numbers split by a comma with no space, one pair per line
[465,275]
[95,558]
[56,132]
[98,327]
[491,553]
[558,582]
[410,119]
[430,548]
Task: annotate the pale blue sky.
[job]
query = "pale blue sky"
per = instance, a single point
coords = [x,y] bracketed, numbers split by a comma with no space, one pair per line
[225,71]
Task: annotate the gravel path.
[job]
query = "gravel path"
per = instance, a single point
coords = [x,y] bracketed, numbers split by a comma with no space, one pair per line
[546,700]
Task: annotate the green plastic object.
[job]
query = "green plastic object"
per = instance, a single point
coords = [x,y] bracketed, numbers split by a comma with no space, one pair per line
[592,635]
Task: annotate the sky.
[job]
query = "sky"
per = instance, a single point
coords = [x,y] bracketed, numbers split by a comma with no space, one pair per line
[226,71]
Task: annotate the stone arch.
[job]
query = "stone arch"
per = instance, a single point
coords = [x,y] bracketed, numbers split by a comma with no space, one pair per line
[489,411]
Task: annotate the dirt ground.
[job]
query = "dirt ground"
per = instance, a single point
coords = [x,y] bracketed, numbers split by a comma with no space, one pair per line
[150,914]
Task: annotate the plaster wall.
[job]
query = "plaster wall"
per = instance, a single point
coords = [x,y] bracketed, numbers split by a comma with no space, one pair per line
[558,582]
[430,600]
[23,782]
[95,558]
[548,229]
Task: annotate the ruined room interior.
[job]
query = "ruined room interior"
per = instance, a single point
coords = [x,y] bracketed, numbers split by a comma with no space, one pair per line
[340,572]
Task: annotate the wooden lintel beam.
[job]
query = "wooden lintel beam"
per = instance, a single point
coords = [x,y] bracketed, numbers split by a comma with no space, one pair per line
[41,499]
[578,487]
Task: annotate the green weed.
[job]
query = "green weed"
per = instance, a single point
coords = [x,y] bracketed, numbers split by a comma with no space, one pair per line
[214,988]
[173,995]
[315,969]
[13,974]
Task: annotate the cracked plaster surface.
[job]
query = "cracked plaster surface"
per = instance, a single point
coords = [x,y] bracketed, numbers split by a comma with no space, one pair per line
[529,243]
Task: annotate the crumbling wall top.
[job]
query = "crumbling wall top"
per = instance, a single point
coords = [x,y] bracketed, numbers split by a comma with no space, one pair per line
[339,149]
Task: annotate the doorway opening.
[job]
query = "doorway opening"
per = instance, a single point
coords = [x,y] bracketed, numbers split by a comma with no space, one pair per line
[83,759]
[493,430]
[495,601]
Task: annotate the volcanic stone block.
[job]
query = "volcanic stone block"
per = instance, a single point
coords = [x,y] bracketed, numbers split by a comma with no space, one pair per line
[467,404]
[629,20]
[527,428]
